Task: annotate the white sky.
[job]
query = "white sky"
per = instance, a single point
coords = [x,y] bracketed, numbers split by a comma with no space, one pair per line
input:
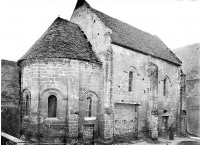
[176,22]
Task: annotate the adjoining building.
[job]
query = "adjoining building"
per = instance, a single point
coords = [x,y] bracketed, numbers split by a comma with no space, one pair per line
[190,56]
[97,77]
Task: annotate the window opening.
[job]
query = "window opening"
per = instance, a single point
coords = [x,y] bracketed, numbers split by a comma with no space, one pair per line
[27,105]
[52,106]
[164,87]
[89,106]
[130,81]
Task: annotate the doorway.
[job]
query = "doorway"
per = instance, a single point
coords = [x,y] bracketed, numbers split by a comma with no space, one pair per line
[165,126]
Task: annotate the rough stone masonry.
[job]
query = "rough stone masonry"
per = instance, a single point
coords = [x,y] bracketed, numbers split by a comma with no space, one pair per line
[99,78]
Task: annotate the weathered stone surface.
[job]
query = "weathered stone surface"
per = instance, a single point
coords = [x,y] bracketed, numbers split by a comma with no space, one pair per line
[117,63]
[69,82]
[100,92]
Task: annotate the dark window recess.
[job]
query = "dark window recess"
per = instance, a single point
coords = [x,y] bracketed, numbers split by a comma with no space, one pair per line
[52,106]
[27,105]
[89,111]
[164,87]
[130,81]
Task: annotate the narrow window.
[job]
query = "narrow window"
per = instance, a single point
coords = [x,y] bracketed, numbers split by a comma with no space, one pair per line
[26,101]
[27,105]
[164,87]
[52,106]
[130,81]
[89,109]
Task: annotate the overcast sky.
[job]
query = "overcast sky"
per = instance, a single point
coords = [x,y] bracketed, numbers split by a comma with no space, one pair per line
[176,22]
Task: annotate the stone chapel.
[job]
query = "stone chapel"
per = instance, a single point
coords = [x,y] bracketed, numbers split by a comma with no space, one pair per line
[98,77]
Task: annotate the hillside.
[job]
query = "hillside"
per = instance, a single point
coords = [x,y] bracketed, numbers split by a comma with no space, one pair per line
[10,89]
[190,57]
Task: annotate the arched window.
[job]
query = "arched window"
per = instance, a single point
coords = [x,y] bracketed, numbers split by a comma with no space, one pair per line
[26,103]
[165,86]
[130,81]
[52,106]
[90,104]
[89,107]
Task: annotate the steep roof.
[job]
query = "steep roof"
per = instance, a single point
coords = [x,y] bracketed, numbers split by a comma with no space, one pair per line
[135,39]
[63,39]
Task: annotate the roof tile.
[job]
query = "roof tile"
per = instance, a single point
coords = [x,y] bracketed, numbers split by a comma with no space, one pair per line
[63,39]
[128,36]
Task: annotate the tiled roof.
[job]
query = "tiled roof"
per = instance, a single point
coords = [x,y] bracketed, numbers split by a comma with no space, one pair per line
[63,39]
[128,36]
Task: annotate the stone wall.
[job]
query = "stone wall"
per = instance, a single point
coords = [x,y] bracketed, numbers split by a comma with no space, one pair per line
[125,61]
[10,89]
[99,36]
[117,62]
[68,80]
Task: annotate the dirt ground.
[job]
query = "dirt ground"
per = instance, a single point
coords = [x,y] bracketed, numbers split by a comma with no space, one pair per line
[163,141]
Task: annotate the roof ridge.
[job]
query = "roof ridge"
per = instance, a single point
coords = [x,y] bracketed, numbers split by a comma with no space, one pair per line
[120,21]
[127,36]
[93,9]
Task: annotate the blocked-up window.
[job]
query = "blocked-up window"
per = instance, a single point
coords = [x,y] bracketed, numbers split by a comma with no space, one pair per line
[130,81]
[52,106]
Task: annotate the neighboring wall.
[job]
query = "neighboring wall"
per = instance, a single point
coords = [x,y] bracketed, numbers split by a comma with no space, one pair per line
[190,56]
[10,89]
[126,60]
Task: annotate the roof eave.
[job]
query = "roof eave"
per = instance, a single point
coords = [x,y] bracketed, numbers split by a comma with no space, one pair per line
[97,62]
